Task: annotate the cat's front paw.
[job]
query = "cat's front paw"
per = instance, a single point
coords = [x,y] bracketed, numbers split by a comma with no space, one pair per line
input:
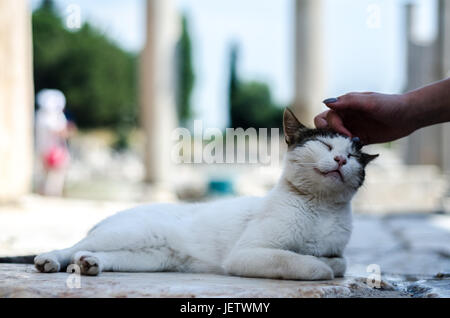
[46,263]
[321,271]
[337,264]
[89,263]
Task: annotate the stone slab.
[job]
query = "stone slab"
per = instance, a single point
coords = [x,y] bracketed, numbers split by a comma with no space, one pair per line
[25,281]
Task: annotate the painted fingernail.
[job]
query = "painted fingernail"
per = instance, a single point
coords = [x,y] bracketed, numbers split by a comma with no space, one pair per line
[356,139]
[330,100]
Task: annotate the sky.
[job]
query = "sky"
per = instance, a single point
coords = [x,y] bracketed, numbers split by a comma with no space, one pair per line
[364,43]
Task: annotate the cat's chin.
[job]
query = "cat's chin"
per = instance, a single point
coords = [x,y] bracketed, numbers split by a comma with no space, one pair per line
[334,186]
[333,174]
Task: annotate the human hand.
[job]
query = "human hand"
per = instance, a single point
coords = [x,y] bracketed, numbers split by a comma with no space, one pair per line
[373,117]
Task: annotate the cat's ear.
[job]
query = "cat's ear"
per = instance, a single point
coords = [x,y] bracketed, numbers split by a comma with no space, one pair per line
[357,143]
[292,127]
[366,158]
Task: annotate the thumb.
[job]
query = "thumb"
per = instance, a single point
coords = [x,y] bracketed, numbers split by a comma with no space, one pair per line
[335,123]
[320,121]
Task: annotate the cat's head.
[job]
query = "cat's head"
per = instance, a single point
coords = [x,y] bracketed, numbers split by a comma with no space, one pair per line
[321,161]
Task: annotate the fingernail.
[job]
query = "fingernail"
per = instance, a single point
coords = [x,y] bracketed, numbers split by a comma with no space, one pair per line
[330,100]
[356,139]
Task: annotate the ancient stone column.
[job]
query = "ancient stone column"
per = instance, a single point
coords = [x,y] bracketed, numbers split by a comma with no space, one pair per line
[427,64]
[16,100]
[309,62]
[158,112]
[445,31]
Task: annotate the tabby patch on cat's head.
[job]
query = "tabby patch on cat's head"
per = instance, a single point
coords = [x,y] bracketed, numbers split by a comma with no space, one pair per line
[323,160]
[296,134]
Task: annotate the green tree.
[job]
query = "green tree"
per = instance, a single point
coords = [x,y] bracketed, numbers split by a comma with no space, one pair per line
[48,5]
[97,77]
[185,73]
[250,103]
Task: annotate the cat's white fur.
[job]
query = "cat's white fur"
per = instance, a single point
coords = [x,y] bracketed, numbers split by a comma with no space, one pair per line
[297,231]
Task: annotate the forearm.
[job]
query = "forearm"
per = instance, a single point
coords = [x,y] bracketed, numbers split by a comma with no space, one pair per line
[430,104]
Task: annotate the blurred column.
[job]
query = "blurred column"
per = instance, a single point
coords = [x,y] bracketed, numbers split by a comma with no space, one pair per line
[423,67]
[429,62]
[16,99]
[158,112]
[309,62]
[445,30]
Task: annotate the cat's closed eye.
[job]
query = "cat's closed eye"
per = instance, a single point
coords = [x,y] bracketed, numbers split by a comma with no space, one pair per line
[327,145]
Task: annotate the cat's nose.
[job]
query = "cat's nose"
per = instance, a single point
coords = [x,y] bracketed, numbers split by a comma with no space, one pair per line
[340,160]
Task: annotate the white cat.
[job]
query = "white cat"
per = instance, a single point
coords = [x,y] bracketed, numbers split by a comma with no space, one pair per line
[297,231]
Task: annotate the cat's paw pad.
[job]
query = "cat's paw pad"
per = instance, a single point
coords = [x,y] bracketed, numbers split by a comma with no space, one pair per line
[322,272]
[46,263]
[88,263]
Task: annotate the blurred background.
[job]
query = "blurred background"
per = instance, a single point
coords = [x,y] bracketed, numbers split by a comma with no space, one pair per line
[132,71]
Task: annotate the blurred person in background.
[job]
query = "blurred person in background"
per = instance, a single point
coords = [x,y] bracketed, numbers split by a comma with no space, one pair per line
[52,132]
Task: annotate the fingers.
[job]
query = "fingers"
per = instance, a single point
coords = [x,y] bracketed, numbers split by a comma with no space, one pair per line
[320,121]
[330,119]
[335,123]
[350,101]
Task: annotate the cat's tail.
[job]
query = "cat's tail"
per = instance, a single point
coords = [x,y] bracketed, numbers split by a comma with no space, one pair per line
[28,259]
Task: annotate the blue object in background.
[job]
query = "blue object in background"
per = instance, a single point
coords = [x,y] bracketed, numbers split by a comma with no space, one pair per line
[220,187]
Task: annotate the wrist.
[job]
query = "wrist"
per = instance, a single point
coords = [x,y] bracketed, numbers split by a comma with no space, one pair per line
[408,111]
[428,105]
[413,111]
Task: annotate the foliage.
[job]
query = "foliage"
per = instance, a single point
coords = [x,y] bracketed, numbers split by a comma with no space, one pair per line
[251,103]
[185,74]
[97,77]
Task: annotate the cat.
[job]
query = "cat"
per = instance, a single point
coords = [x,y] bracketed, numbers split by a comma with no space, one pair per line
[297,231]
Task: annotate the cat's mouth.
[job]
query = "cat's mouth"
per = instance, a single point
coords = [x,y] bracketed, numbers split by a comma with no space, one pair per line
[333,174]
